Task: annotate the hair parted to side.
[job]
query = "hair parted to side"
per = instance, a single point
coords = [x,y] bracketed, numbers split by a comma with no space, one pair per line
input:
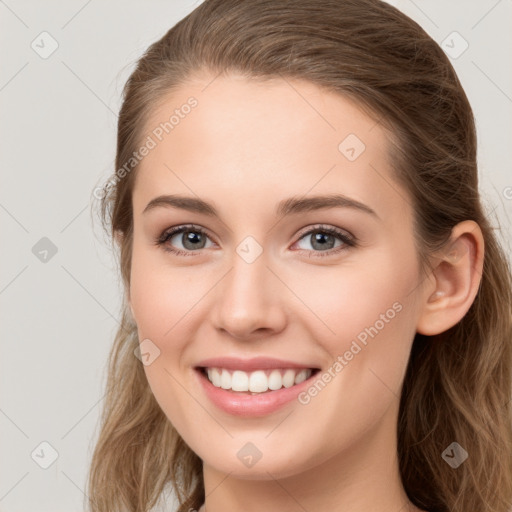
[458,385]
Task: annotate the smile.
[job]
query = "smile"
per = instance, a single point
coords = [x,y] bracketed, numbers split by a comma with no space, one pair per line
[259,381]
[255,392]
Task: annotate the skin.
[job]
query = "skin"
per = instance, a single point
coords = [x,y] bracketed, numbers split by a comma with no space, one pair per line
[244,148]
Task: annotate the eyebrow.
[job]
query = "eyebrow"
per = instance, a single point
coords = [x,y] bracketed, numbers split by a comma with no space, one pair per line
[292,205]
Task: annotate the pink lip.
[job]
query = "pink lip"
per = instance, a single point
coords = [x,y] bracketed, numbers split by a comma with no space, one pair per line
[248,365]
[245,405]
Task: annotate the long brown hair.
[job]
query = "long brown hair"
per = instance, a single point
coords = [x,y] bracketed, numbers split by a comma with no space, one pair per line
[458,384]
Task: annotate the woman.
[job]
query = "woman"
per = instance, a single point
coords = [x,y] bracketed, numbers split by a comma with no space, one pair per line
[320,309]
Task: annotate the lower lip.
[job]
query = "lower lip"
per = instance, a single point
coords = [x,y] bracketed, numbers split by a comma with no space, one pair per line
[241,404]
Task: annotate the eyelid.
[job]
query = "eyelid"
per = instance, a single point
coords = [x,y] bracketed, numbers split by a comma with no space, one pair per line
[328,229]
[168,232]
[348,240]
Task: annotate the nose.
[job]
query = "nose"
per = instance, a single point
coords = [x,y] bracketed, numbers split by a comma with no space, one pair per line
[249,302]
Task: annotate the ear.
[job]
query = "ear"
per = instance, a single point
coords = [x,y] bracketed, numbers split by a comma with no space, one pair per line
[456,279]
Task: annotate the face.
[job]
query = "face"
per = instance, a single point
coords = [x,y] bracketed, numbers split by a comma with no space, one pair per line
[271,269]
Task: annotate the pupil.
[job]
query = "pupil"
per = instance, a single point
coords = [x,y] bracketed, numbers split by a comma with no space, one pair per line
[192,238]
[320,239]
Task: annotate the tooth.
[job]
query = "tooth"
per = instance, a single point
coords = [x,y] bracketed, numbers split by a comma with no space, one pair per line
[225,380]
[240,381]
[215,377]
[274,380]
[258,382]
[302,376]
[288,378]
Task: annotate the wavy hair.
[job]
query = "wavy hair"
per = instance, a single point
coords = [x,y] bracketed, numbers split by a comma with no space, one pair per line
[458,384]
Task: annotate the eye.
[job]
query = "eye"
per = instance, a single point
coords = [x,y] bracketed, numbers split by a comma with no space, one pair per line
[193,238]
[322,239]
[190,237]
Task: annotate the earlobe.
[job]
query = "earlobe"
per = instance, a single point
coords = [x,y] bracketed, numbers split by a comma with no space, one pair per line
[457,278]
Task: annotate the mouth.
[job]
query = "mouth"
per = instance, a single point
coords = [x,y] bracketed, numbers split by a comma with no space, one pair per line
[256,382]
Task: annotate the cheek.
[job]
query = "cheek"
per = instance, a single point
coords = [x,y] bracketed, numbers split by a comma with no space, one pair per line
[365,313]
[367,329]
[161,296]
[347,299]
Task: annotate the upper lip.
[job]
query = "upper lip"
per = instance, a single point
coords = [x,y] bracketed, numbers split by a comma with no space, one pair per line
[256,363]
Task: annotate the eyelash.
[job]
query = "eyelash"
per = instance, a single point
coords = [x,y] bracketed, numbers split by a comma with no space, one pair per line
[348,241]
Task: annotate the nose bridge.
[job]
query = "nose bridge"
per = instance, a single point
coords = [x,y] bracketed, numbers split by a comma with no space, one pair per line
[246,300]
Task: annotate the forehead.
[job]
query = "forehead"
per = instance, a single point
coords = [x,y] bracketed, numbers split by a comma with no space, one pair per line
[251,137]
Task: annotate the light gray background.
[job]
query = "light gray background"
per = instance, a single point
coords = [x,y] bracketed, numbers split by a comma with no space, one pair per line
[58,123]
